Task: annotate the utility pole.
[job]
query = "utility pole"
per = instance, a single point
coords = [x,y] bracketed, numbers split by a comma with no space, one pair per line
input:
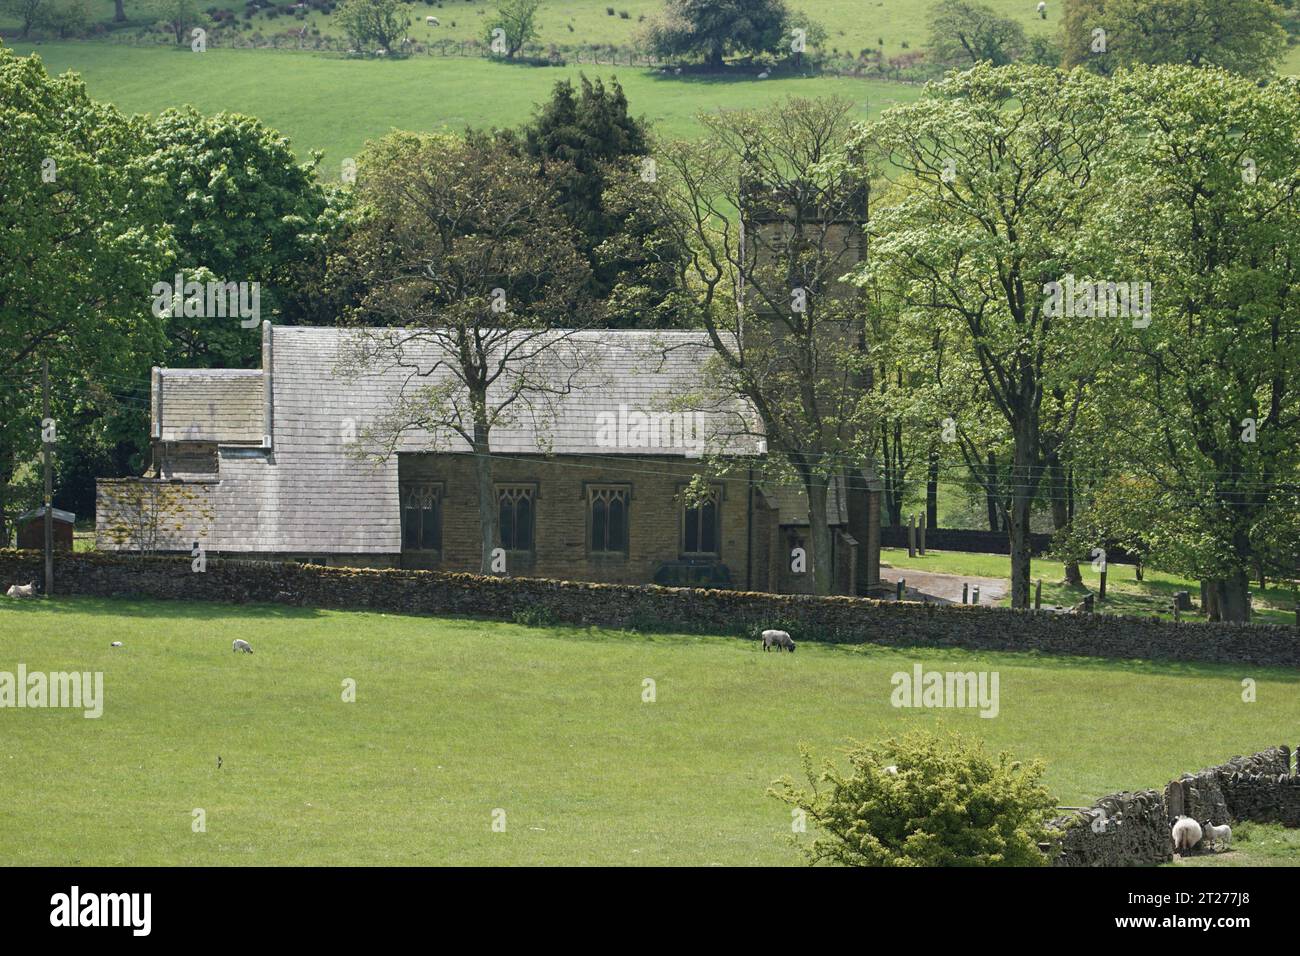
[46,441]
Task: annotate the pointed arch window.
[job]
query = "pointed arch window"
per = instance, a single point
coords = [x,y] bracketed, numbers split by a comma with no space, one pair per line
[422,516]
[607,511]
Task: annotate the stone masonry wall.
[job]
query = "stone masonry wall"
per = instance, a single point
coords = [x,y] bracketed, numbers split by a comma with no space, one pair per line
[1135,829]
[834,619]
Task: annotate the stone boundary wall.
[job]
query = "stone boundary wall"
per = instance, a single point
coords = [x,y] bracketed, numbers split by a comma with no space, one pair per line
[1134,829]
[849,620]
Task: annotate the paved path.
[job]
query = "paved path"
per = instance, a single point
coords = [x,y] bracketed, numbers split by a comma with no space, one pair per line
[945,588]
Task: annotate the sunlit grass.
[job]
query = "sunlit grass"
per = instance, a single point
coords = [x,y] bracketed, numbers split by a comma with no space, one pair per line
[456,718]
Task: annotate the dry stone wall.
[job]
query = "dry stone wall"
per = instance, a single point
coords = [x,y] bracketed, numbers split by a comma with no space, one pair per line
[834,619]
[1134,829]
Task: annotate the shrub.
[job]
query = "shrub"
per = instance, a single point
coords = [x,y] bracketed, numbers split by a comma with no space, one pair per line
[949,804]
[609,11]
[624,15]
[537,616]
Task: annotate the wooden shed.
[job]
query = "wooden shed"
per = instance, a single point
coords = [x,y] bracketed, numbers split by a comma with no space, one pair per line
[31,529]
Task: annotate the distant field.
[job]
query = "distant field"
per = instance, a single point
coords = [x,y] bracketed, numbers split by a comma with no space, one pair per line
[1125,594]
[456,718]
[852,25]
[336,104]
[895,26]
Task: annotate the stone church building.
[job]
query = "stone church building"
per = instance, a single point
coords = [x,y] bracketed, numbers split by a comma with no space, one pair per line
[282,462]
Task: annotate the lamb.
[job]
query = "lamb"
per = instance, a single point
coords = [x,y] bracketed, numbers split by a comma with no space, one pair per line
[780,639]
[1187,833]
[22,590]
[238,645]
[1214,834]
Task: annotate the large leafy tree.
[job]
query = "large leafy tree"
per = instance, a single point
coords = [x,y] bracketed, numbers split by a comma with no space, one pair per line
[1244,36]
[998,170]
[766,286]
[82,239]
[715,28]
[242,209]
[472,283]
[593,152]
[965,32]
[1204,404]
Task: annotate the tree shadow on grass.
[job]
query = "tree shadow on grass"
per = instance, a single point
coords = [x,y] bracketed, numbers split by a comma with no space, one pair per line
[149,607]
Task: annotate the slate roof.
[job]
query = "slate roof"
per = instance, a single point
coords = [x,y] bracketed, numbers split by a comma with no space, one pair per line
[792,502]
[315,490]
[218,405]
[322,488]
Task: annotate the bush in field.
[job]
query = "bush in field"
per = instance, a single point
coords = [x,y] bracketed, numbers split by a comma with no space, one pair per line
[66,18]
[378,23]
[517,20]
[949,804]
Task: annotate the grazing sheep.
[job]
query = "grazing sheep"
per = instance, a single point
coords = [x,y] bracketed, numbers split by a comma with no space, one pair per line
[1187,833]
[1214,834]
[779,639]
[117,644]
[22,590]
[237,645]
[433,21]
[892,770]
[764,75]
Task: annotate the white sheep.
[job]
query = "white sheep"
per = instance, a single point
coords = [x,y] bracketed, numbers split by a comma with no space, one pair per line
[433,21]
[892,770]
[1187,833]
[778,639]
[1042,9]
[1214,834]
[764,75]
[22,590]
[117,644]
[238,645]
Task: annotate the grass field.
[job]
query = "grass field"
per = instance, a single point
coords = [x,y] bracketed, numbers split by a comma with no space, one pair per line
[336,104]
[454,719]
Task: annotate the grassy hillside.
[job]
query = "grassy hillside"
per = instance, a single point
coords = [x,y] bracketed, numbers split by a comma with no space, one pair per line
[336,104]
[455,718]
[851,25]
[894,26]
